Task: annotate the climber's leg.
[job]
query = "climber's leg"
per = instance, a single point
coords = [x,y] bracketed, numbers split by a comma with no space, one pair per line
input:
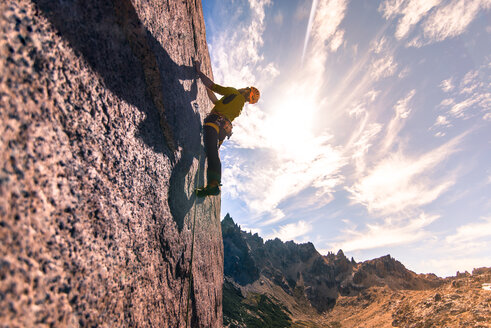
[214,170]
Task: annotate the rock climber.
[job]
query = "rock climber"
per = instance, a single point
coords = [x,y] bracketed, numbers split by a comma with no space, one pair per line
[218,125]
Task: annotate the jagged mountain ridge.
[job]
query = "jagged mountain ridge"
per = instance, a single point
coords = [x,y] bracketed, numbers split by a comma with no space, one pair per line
[302,272]
[260,289]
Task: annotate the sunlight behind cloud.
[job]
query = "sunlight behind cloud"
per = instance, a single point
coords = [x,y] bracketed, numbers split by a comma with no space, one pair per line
[297,158]
[353,122]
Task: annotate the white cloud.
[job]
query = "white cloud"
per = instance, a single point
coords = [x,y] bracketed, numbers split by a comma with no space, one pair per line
[390,233]
[383,67]
[291,231]
[251,230]
[442,121]
[452,19]
[323,27]
[447,85]
[337,40]
[395,125]
[398,182]
[471,232]
[390,8]
[276,215]
[471,97]
[362,146]
[412,13]
[403,73]
[460,109]
[379,45]
[439,19]
[289,156]
[235,56]
[286,170]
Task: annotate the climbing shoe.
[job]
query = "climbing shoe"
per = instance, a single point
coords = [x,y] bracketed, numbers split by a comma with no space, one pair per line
[212,189]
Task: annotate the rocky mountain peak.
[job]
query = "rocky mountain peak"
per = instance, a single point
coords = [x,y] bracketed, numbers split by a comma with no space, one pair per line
[298,269]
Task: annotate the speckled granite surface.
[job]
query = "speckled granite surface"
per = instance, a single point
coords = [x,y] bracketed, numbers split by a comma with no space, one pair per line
[95,207]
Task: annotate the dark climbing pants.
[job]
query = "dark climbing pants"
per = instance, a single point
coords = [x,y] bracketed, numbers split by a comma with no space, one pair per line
[210,139]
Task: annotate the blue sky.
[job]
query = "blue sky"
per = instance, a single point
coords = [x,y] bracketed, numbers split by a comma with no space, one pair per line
[373,133]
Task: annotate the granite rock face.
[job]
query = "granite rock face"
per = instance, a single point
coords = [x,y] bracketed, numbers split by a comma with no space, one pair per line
[100,148]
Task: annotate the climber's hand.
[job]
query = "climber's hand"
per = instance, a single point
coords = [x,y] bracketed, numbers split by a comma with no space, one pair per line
[197,66]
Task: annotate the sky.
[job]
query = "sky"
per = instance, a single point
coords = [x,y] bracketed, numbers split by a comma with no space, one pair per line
[373,131]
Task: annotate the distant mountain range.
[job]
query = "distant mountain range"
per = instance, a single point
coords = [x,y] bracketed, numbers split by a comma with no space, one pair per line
[273,283]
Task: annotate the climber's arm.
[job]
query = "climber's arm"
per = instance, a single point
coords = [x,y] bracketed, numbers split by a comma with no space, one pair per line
[212,96]
[206,81]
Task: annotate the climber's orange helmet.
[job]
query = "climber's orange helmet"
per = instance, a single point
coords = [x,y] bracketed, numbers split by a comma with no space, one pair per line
[254,95]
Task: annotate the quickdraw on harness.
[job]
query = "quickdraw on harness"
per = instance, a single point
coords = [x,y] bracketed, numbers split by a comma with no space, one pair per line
[221,124]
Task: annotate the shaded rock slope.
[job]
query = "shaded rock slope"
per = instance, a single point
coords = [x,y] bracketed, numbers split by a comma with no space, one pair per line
[100,149]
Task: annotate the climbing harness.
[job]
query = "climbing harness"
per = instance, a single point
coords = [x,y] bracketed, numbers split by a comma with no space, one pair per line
[221,124]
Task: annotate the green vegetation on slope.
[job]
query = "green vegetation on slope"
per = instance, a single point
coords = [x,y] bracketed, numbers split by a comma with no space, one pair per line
[255,311]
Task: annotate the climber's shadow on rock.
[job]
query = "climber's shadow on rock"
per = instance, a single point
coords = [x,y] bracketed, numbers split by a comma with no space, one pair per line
[94,30]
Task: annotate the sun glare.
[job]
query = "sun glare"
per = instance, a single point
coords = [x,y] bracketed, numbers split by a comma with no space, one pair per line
[291,124]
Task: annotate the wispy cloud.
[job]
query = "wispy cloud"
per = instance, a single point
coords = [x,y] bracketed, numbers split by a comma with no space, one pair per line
[383,67]
[470,97]
[291,231]
[471,232]
[399,182]
[389,233]
[236,56]
[447,85]
[412,12]
[442,121]
[459,109]
[379,46]
[323,29]
[452,19]
[395,125]
[350,127]
[290,156]
[439,20]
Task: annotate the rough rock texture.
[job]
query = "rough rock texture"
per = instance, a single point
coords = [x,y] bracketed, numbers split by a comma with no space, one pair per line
[96,208]
[459,302]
